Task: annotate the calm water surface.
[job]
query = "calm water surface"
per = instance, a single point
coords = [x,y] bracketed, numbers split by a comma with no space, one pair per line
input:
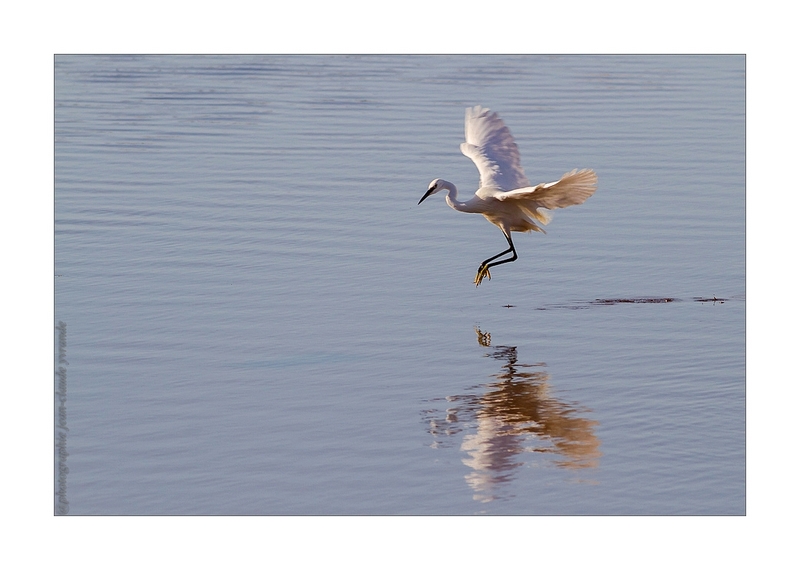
[259,319]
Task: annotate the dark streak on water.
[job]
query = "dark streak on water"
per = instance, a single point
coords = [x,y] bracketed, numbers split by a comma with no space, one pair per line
[633,301]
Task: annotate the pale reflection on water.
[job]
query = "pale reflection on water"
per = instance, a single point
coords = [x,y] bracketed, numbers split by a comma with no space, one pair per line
[511,417]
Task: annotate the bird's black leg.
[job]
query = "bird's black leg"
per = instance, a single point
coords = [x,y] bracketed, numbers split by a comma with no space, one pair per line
[483,270]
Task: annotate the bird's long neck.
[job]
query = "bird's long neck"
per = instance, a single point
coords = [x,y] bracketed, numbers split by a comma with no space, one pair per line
[452,197]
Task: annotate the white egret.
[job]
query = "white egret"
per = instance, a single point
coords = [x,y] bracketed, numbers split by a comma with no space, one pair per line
[505,196]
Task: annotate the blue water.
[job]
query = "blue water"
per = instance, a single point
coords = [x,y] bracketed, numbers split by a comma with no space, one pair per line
[260,319]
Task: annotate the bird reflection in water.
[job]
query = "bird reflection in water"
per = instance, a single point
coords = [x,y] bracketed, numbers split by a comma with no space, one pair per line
[512,416]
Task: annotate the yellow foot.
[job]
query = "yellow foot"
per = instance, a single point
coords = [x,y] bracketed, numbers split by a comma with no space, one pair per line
[482,272]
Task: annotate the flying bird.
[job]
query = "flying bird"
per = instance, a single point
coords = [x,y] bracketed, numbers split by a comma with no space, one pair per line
[505,196]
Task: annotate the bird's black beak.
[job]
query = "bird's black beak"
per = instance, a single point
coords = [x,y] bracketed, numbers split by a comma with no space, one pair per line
[428,193]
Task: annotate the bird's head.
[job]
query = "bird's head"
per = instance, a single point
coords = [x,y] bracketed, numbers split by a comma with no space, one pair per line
[435,186]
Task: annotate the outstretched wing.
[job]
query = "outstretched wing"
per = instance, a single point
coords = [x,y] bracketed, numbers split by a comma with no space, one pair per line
[493,150]
[572,189]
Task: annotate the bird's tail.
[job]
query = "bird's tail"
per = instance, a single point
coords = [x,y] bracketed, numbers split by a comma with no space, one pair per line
[534,215]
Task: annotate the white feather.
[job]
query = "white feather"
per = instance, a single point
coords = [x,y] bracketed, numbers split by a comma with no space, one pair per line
[491,147]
